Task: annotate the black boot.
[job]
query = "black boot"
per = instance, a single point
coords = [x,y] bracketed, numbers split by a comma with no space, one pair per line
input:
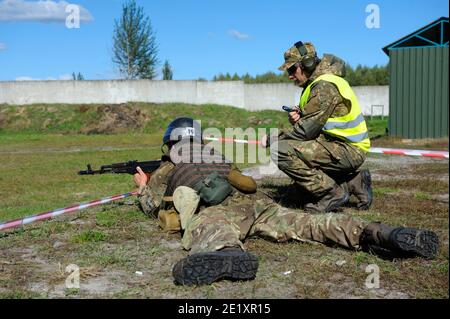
[206,268]
[361,186]
[403,241]
[331,201]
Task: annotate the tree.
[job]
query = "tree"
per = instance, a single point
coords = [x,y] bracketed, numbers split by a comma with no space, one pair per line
[167,71]
[364,75]
[361,75]
[135,49]
[78,77]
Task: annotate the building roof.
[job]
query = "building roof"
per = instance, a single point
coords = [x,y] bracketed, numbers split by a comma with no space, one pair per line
[434,34]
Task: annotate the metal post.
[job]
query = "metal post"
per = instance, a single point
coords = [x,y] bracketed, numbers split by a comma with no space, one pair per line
[377,105]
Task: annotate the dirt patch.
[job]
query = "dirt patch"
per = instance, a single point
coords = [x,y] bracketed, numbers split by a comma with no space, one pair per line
[115,119]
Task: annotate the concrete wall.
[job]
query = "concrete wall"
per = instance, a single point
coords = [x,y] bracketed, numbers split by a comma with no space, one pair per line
[271,96]
[234,93]
[376,96]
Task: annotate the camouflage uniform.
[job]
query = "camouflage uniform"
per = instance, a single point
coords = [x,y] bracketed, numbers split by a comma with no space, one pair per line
[243,215]
[314,160]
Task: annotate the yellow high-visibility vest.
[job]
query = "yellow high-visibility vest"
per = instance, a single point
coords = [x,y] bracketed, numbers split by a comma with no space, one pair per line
[350,127]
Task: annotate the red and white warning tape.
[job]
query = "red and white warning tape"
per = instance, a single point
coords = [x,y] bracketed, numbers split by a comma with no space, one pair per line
[399,151]
[379,150]
[60,211]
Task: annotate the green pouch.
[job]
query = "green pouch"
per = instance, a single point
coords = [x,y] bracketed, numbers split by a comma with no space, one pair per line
[213,189]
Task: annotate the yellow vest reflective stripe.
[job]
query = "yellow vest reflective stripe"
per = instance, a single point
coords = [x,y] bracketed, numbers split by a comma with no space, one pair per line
[350,127]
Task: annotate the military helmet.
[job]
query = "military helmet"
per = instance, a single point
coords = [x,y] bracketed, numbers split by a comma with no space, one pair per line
[182,128]
[304,53]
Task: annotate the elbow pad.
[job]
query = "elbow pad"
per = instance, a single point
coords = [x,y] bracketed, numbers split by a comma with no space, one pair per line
[243,183]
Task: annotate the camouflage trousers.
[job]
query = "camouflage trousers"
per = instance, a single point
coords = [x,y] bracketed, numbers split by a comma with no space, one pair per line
[317,165]
[229,225]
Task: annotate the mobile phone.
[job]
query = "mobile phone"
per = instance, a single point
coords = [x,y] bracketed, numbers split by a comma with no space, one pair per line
[288,108]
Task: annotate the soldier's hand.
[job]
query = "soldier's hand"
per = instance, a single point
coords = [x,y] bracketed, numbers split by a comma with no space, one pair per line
[140,178]
[294,116]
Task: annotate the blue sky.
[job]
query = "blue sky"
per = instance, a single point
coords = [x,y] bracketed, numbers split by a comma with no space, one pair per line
[202,38]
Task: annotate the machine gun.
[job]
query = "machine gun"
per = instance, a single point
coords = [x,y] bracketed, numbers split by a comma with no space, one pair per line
[123,168]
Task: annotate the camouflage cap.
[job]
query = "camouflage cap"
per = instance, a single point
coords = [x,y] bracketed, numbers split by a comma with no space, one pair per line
[293,56]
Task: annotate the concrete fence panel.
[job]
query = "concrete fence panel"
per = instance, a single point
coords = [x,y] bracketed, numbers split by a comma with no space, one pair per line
[271,96]
[221,92]
[234,93]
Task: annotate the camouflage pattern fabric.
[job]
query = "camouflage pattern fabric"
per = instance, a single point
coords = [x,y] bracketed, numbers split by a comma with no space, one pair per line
[150,197]
[229,225]
[293,56]
[243,215]
[317,165]
[314,160]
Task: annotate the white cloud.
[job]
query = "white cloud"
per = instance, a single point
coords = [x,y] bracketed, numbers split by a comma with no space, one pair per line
[238,35]
[63,77]
[40,11]
[26,78]
[2,46]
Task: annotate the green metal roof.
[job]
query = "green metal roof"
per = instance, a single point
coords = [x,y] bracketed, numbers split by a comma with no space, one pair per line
[434,34]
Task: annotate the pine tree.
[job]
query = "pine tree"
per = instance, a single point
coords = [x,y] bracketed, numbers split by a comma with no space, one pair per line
[167,71]
[134,49]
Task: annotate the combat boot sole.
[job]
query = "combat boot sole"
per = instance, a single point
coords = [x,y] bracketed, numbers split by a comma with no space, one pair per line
[417,242]
[206,268]
[367,184]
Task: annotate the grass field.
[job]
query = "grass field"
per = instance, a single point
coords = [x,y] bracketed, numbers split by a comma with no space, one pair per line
[111,242]
[44,145]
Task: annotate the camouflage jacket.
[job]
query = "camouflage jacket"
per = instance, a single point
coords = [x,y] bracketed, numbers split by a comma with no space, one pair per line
[151,196]
[324,102]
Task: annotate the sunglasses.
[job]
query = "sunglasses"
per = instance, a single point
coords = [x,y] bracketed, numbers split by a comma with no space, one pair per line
[292,69]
